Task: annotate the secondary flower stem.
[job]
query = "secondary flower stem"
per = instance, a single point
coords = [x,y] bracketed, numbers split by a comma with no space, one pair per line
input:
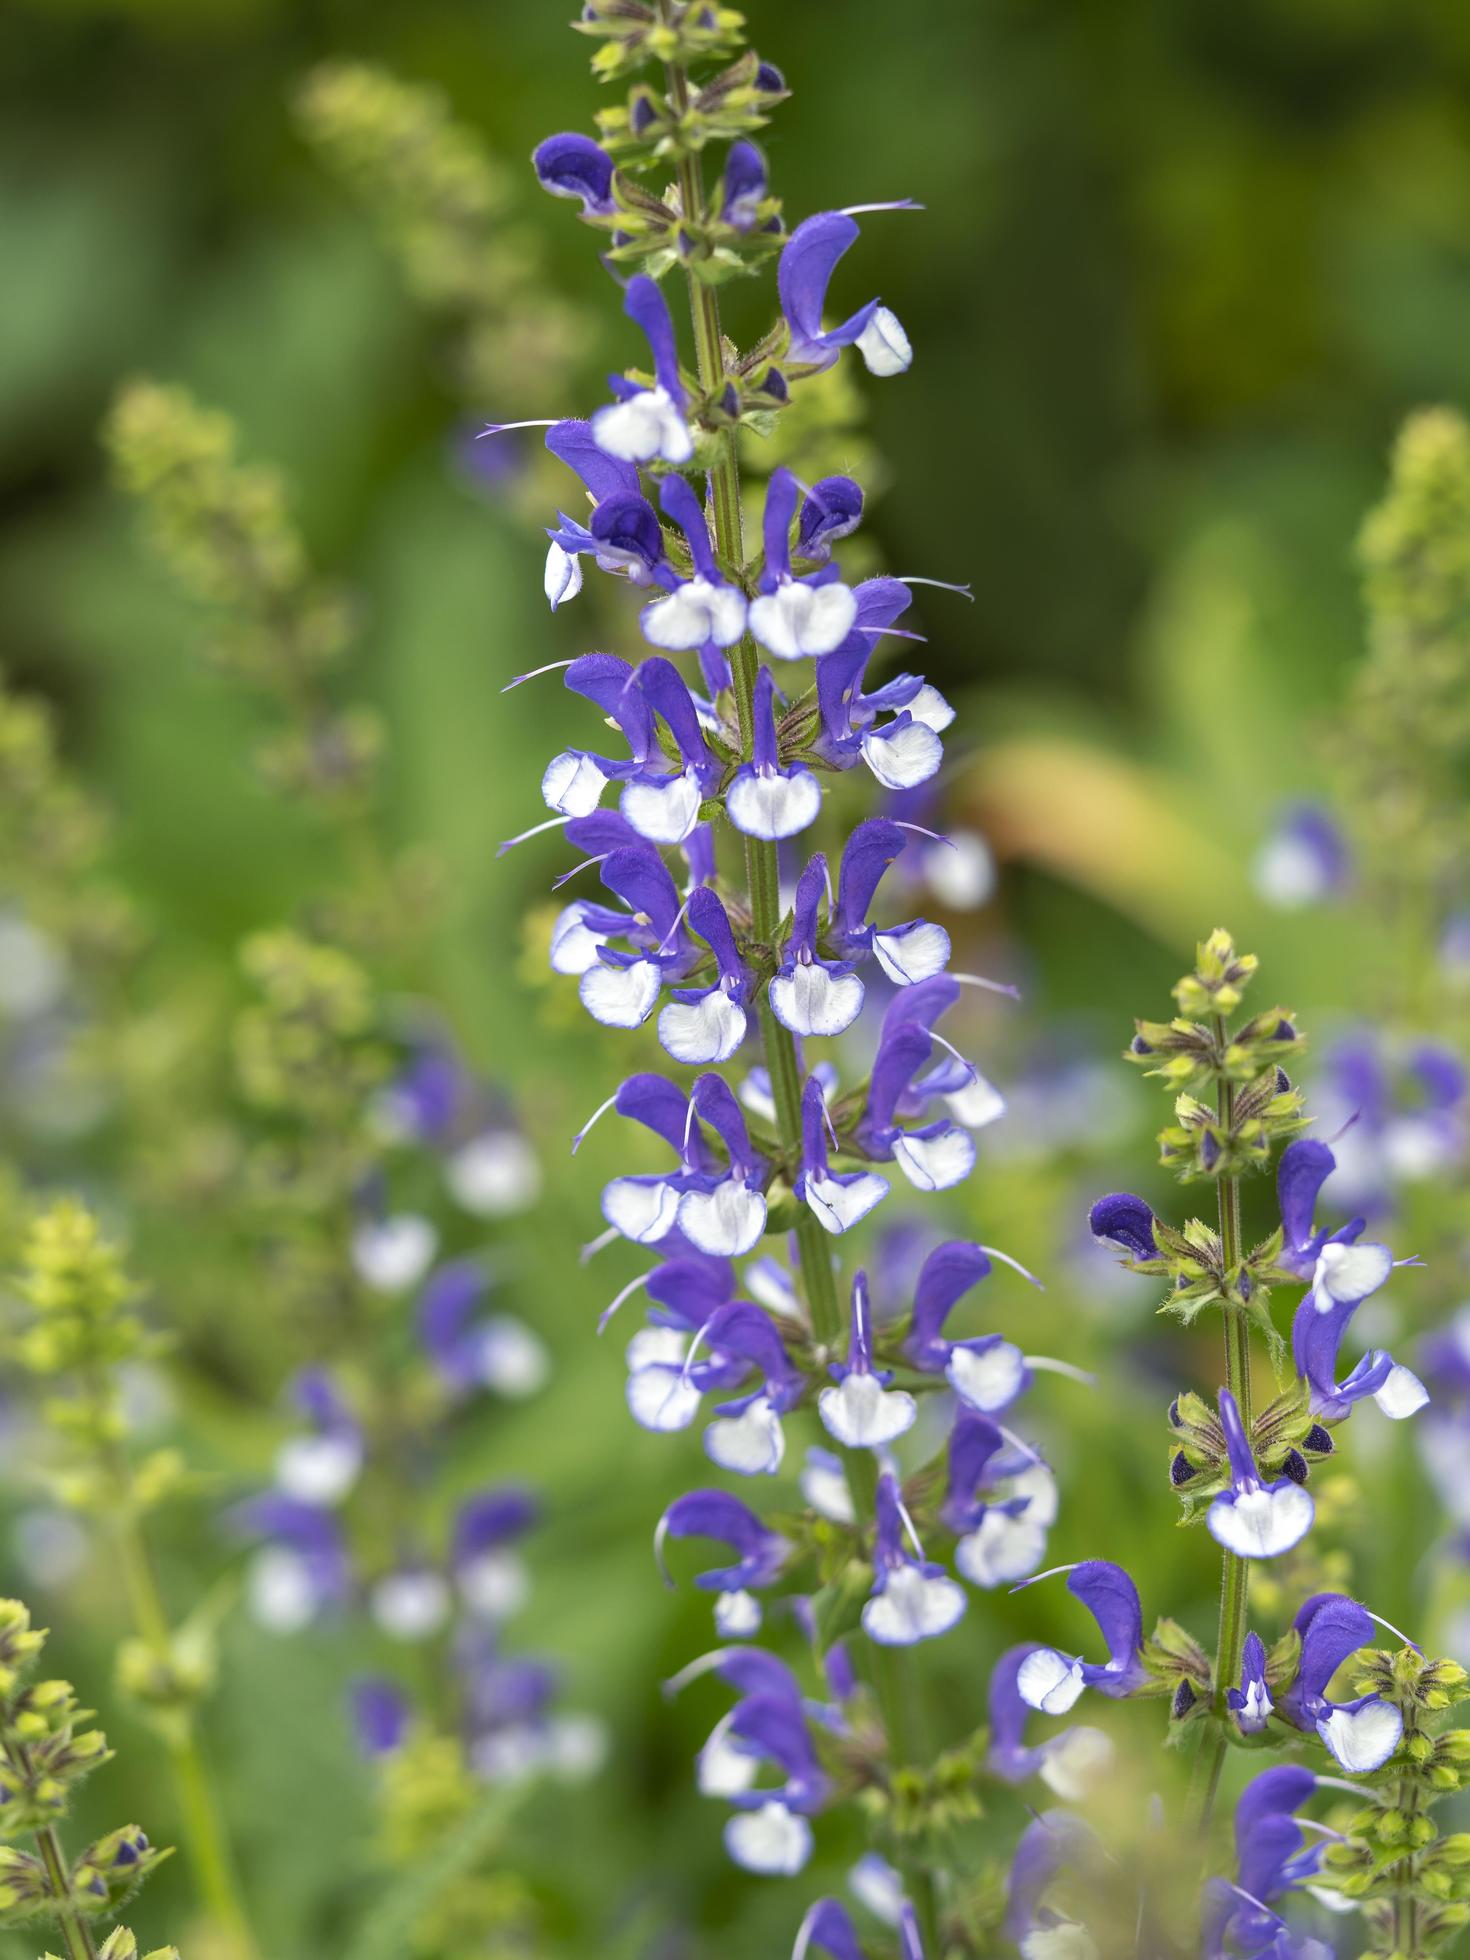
[204,1826]
[818,1280]
[76,1934]
[1234,1572]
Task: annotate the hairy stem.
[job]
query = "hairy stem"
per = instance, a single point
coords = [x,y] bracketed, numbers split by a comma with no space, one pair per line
[1234,1572]
[891,1681]
[76,1934]
[1405,1924]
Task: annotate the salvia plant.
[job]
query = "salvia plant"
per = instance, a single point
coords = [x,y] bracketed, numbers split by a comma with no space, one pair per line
[1365,1722]
[47,1750]
[80,1334]
[1394,1082]
[730,759]
[373,1164]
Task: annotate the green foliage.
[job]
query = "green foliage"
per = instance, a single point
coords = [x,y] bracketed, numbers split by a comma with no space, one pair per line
[1255,1105]
[223,528]
[1404,739]
[447,213]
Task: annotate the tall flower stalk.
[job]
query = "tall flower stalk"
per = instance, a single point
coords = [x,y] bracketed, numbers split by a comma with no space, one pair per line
[749,964]
[373,1165]
[1246,1473]
[81,1336]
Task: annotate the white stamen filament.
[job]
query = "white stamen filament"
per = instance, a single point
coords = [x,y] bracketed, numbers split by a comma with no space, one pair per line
[551,823]
[676,1683]
[503,428]
[893,204]
[990,986]
[535,674]
[993,1252]
[601,1110]
[908,1525]
[599,1244]
[679,920]
[585,865]
[965,1063]
[938,836]
[1379,1620]
[1050,1365]
[1050,1573]
[1031,1456]
[1352,1789]
[940,584]
[627,1293]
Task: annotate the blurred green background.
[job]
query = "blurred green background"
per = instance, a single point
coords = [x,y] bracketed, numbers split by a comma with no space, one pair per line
[1182,270]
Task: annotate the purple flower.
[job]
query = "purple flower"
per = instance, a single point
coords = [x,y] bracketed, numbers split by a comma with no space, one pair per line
[807,263]
[724,1213]
[862,1412]
[938,1154]
[1002,1535]
[1239,1923]
[707,1024]
[647,425]
[765,798]
[839,1198]
[742,187]
[913,1599]
[1361,1734]
[1071,1762]
[811,995]
[831,509]
[760,1553]
[908,954]
[703,611]
[569,165]
[1051,1681]
[1252,1519]
[302,1570]
[1303,861]
[470,1348]
[827,1929]
[796,617]
[1052,1845]
[1251,1701]
[380,1716]
[1126,1222]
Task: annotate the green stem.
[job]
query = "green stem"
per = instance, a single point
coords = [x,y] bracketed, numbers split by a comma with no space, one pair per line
[1406,1902]
[204,1826]
[1234,1572]
[75,1932]
[891,1680]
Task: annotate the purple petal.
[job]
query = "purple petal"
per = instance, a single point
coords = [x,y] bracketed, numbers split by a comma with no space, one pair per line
[570,165]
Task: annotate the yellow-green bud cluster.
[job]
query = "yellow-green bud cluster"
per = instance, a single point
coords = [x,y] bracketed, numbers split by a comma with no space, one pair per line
[1405,734]
[46,1750]
[223,529]
[83,1324]
[633,34]
[445,210]
[308,1046]
[1253,1106]
[1393,1860]
[51,839]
